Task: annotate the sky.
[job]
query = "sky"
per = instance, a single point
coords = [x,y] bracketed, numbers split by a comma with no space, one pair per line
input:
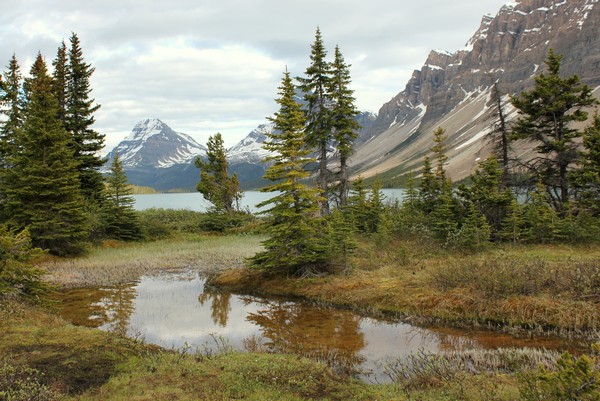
[208,66]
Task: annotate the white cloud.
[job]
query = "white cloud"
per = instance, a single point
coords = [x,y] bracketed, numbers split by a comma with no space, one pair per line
[214,65]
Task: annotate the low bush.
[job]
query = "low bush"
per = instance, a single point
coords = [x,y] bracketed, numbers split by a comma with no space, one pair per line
[20,383]
[164,223]
[505,276]
[572,378]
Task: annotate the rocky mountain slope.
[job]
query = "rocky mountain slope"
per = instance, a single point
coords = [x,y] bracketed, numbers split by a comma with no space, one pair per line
[155,155]
[452,90]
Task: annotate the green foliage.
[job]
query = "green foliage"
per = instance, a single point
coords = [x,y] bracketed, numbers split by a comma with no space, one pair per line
[318,133]
[17,276]
[165,223]
[120,219]
[475,232]
[215,184]
[488,194]
[342,243]
[546,116]
[21,383]
[513,223]
[366,207]
[43,187]
[80,109]
[61,81]
[343,117]
[573,379]
[11,103]
[296,245]
[587,180]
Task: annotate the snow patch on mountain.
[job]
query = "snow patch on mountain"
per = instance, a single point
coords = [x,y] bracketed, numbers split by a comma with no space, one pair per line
[249,149]
[152,143]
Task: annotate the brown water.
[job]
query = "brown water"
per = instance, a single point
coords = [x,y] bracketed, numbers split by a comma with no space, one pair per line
[174,311]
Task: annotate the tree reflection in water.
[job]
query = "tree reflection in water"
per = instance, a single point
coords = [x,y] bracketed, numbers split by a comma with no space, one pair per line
[108,308]
[220,305]
[332,336]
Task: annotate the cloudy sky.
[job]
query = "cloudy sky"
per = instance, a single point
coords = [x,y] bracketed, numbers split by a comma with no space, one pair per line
[207,66]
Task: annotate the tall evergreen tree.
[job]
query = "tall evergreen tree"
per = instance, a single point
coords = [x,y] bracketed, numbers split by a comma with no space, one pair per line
[500,133]
[120,219]
[319,135]
[587,180]
[215,184]
[60,85]
[343,120]
[42,186]
[488,193]
[439,153]
[79,121]
[295,245]
[11,103]
[546,116]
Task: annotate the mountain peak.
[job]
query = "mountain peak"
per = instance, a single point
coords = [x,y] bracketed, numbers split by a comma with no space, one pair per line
[147,128]
[152,143]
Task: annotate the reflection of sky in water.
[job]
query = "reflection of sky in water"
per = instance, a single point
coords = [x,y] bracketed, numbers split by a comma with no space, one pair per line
[173,311]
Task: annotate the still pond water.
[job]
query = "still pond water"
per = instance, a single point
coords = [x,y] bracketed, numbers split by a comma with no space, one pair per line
[174,310]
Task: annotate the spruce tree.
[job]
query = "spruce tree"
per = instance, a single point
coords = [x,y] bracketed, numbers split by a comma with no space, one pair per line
[295,245]
[547,113]
[11,103]
[60,85]
[358,204]
[215,184]
[429,188]
[120,219]
[315,87]
[79,121]
[42,186]
[343,120]
[341,238]
[500,134]
[488,193]
[513,223]
[587,180]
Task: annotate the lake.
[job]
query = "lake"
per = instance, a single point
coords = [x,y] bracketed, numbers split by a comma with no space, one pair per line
[195,201]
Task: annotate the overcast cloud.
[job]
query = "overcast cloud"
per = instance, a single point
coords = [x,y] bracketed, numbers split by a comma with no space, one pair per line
[207,66]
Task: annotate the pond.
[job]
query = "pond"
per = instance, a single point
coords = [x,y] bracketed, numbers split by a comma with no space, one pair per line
[174,310]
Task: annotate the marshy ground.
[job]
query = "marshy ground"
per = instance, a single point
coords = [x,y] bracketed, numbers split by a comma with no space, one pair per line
[542,288]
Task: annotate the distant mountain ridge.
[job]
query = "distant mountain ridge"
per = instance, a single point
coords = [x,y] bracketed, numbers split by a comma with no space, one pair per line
[156,156]
[452,90]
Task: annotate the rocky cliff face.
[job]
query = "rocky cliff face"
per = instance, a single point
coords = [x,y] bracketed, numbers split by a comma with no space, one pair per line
[452,90]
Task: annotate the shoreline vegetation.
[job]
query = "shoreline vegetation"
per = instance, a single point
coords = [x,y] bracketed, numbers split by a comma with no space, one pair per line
[541,289]
[86,364]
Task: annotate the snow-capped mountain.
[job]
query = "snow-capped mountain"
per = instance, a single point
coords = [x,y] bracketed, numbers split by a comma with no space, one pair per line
[249,149]
[452,90]
[152,143]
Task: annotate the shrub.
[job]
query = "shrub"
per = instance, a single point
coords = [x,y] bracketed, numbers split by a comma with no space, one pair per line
[572,379]
[17,276]
[505,276]
[20,383]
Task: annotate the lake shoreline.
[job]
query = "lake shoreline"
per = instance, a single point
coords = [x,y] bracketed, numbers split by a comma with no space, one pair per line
[407,295]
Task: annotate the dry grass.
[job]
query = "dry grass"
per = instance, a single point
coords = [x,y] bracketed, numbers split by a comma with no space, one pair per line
[119,263]
[542,288]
